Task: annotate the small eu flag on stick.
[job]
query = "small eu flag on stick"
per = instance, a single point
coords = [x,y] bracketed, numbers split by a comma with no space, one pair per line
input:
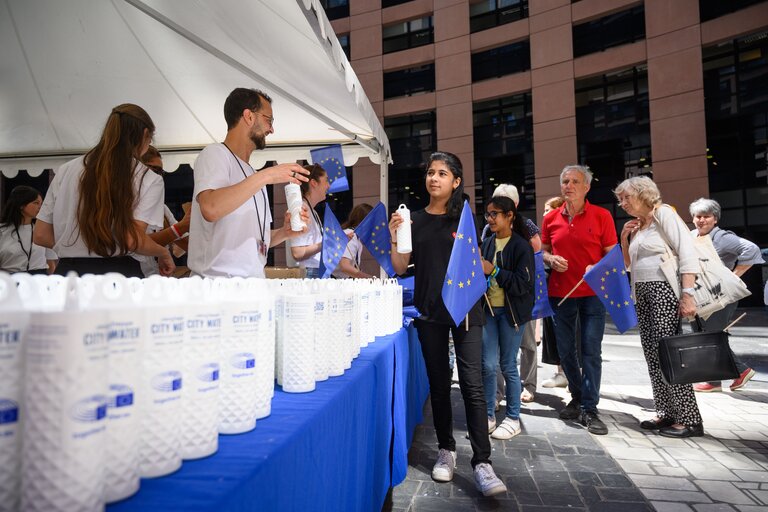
[542,307]
[609,281]
[334,243]
[373,231]
[332,160]
[464,280]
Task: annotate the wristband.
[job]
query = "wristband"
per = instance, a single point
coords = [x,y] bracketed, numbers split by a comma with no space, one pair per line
[494,271]
[689,291]
[175,230]
[393,242]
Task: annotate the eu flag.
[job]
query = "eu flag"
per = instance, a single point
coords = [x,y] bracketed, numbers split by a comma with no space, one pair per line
[334,243]
[331,159]
[541,308]
[373,231]
[464,281]
[609,281]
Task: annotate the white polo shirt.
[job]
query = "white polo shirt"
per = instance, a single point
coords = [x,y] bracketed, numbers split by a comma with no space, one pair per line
[60,206]
[230,246]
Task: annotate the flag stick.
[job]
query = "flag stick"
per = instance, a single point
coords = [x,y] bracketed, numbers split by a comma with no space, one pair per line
[490,308]
[570,292]
[466,323]
[734,322]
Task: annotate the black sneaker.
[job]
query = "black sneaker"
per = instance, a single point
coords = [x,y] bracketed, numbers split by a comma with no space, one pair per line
[594,424]
[571,411]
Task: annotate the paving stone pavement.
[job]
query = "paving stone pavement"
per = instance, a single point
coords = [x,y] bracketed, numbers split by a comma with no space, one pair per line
[557,466]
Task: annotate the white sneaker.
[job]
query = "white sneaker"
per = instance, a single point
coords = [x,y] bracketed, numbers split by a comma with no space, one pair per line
[442,471]
[508,429]
[558,380]
[491,424]
[486,480]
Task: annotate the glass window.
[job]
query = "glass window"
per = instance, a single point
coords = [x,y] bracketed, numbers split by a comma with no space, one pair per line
[492,13]
[613,132]
[408,34]
[390,3]
[335,9]
[345,45]
[736,109]
[503,145]
[609,31]
[711,9]
[504,60]
[407,82]
[412,139]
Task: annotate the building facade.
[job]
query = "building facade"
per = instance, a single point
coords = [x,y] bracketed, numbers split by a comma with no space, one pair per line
[677,90]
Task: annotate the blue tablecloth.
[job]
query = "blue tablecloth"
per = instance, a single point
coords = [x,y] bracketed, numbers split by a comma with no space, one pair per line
[326,450]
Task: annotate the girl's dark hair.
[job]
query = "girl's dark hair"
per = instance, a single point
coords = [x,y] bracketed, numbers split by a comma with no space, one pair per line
[456,201]
[316,172]
[107,198]
[507,205]
[357,215]
[20,197]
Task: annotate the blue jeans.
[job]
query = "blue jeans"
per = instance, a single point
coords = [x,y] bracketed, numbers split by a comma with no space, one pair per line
[501,344]
[583,384]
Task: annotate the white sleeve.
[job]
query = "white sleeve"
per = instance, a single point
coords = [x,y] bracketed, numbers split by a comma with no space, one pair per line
[46,210]
[150,198]
[211,170]
[678,236]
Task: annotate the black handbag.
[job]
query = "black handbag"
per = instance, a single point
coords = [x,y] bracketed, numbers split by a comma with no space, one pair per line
[549,353]
[696,357]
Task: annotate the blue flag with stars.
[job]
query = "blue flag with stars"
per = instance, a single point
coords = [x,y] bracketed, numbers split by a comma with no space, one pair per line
[609,281]
[541,308]
[334,243]
[332,160]
[464,281]
[373,231]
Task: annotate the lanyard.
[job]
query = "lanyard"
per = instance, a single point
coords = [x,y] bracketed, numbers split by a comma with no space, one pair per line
[27,254]
[315,215]
[262,225]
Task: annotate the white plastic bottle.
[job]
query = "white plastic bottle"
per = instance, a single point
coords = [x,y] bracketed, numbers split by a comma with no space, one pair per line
[293,200]
[404,230]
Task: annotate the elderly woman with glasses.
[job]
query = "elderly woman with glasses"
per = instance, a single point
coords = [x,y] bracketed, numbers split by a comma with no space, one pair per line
[738,255]
[643,241]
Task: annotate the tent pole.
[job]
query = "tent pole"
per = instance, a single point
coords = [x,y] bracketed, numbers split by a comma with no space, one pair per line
[384,189]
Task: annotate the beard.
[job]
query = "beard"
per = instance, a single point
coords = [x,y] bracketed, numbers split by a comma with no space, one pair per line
[259,140]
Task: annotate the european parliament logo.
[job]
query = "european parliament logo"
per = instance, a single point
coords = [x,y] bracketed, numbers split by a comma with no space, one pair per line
[331,159]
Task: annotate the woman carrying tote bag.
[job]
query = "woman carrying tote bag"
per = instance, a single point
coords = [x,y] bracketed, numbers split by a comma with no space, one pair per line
[658,308]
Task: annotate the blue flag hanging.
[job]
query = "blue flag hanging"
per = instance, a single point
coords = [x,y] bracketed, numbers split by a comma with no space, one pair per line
[334,243]
[464,281]
[541,308]
[609,281]
[332,160]
[373,231]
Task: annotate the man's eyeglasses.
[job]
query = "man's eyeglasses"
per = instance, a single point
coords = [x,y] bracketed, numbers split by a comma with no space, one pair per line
[270,119]
[492,214]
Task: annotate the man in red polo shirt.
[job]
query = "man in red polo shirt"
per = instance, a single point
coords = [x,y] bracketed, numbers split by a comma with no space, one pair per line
[574,237]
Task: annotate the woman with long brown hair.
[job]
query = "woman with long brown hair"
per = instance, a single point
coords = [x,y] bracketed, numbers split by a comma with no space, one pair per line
[98,207]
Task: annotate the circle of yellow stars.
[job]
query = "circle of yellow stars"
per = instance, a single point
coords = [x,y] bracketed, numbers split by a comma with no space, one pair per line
[336,165]
[374,243]
[468,281]
[618,304]
[329,259]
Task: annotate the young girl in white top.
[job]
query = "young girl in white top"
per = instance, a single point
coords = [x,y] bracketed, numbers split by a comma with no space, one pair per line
[18,253]
[306,247]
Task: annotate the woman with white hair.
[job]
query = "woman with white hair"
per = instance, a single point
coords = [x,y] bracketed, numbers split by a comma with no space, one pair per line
[528,351]
[644,241]
[738,255]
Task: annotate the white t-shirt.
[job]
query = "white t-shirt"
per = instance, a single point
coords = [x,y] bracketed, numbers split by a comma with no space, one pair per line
[149,264]
[313,235]
[15,250]
[228,247]
[60,206]
[353,252]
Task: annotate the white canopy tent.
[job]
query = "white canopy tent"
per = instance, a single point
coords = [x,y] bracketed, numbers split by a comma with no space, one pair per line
[65,63]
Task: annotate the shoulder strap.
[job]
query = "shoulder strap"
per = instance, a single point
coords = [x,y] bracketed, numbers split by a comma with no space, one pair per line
[660,228]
